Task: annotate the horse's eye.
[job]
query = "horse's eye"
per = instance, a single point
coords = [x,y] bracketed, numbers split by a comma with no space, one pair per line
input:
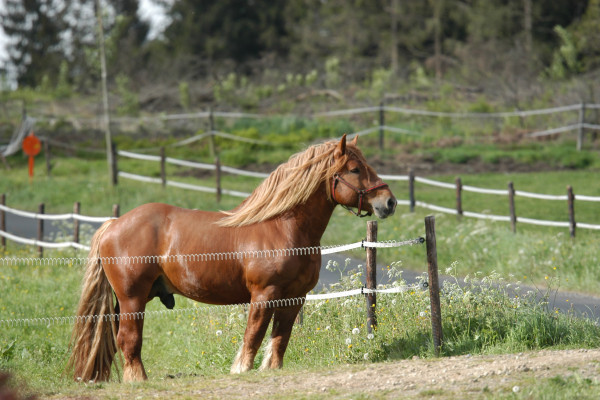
[355,170]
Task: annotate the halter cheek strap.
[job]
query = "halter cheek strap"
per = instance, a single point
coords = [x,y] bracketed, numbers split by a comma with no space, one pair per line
[361,193]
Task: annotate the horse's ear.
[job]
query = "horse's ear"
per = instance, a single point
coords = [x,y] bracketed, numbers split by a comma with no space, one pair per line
[340,150]
[354,141]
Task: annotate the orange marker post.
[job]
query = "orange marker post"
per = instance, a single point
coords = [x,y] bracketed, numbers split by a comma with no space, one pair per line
[32,147]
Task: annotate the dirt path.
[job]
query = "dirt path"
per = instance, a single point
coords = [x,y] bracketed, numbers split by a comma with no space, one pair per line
[453,377]
[445,378]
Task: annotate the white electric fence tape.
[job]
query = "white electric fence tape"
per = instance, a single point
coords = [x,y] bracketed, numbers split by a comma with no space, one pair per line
[199,257]
[49,321]
[209,257]
[54,217]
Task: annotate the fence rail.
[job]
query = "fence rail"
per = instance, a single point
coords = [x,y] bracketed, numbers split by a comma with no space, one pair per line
[579,126]
[457,186]
[412,202]
[41,216]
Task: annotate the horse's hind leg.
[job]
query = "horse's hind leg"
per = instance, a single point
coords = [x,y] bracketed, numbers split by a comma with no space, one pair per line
[259,318]
[129,339]
[283,322]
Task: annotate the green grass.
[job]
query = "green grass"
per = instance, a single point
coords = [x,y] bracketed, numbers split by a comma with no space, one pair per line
[557,388]
[188,345]
[202,340]
[531,254]
[475,320]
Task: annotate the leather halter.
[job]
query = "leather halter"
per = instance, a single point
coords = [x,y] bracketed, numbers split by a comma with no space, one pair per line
[361,192]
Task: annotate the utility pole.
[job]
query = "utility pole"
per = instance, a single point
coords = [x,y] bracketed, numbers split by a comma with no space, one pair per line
[107,133]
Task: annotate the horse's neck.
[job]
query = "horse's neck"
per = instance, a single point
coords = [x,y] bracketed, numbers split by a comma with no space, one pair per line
[312,217]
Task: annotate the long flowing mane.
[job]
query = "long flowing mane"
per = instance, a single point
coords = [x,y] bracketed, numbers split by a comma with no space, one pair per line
[292,183]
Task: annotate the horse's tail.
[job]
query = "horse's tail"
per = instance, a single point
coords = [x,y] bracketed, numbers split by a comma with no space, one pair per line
[93,340]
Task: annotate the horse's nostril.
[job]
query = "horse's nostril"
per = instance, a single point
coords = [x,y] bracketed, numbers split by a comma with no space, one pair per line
[391,202]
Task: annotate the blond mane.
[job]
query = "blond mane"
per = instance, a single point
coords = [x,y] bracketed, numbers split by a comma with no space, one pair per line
[291,184]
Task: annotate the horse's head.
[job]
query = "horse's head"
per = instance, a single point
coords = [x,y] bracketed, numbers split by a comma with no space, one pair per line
[354,183]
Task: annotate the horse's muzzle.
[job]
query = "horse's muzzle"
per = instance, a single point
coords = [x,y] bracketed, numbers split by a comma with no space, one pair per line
[385,208]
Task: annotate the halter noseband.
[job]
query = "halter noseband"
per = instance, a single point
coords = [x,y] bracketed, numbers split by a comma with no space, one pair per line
[361,192]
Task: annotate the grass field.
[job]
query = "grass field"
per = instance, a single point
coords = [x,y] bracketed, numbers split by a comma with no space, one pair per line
[202,341]
[532,253]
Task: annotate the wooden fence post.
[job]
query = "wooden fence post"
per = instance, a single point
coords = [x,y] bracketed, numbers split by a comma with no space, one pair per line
[114,165]
[211,126]
[381,124]
[511,206]
[163,168]
[116,210]
[371,276]
[76,210]
[218,177]
[571,204]
[40,233]
[300,316]
[580,128]
[411,189]
[459,209]
[434,286]
[3,220]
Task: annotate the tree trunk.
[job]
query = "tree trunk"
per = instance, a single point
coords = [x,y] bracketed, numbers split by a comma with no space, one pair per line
[394,38]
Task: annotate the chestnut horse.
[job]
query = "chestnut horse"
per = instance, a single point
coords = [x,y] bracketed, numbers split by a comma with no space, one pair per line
[289,209]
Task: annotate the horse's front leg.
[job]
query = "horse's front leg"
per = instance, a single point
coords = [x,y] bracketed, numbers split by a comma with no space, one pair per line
[259,317]
[283,322]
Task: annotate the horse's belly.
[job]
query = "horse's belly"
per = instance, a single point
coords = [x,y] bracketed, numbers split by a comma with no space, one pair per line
[208,282]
